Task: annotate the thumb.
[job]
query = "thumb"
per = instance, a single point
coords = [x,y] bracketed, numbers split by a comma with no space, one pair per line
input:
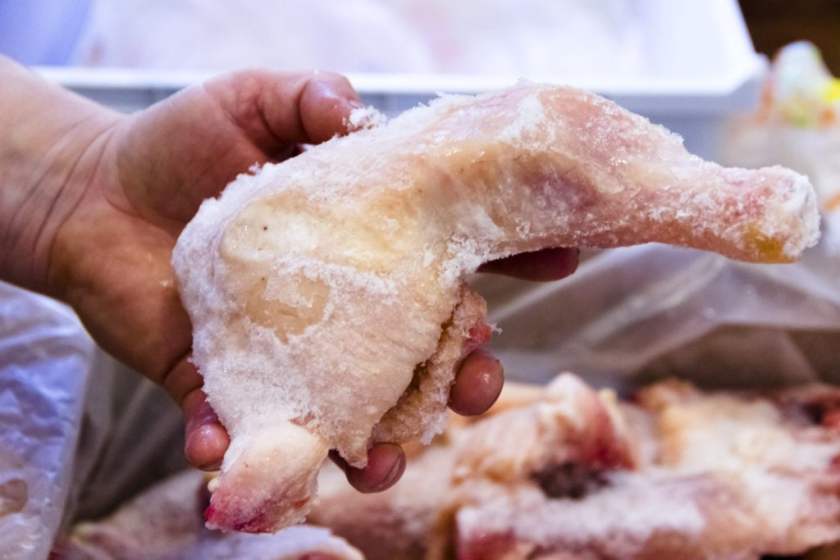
[281,109]
[206,439]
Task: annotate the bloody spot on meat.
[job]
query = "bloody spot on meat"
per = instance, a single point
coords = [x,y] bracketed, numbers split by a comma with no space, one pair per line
[569,480]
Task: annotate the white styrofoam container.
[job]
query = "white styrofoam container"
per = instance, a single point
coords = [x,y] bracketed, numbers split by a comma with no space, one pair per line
[700,67]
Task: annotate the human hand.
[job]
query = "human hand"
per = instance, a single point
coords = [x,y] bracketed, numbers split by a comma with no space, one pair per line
[141,183]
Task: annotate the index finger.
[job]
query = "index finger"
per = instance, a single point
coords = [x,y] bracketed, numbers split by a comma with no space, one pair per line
[386,464]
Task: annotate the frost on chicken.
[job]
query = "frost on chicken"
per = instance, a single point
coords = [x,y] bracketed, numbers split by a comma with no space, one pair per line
[323,289]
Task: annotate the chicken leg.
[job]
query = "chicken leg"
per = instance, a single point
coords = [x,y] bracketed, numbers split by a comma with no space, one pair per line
[327,296]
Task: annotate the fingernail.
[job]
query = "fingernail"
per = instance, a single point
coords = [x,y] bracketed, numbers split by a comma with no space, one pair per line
[394,473]
[327,89]
[203,442]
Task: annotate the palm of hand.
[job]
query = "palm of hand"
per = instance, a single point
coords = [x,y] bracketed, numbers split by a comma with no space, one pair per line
[150,174]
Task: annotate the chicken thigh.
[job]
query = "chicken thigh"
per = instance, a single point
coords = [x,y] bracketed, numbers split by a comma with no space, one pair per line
[327,292]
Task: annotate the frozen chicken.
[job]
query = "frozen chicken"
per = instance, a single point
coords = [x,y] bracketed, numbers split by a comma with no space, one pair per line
[327,292]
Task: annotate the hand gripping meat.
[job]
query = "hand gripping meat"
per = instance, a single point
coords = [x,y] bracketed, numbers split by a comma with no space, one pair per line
[327,296]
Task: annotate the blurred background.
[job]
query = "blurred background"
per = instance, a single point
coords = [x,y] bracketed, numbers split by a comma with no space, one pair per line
[687,65]
[775,23]
[433,35]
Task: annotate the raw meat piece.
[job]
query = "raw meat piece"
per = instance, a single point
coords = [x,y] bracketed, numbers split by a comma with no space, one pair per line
[725,476]
[390,525]
[165,523]
[574,474]
[320,289]
[411,519]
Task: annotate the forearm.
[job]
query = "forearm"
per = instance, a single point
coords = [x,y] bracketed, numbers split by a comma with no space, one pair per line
[49,141]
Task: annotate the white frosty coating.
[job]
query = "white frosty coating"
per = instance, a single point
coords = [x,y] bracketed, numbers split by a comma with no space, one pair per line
[365,117]
[622,516]
[316,286]
[530,117]
[419,412]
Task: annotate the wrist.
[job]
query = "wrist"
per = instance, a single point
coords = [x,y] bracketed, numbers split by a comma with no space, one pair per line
[54,143]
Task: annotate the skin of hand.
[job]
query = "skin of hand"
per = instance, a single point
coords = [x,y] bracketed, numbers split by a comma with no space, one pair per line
[93,202]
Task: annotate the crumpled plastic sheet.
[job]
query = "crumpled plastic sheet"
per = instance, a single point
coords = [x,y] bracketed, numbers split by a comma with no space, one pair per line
[632,315]
[45,365]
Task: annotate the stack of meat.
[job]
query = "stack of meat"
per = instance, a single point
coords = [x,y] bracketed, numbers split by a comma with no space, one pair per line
[561,472]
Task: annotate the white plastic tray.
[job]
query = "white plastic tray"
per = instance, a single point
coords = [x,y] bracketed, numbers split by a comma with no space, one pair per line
[700,65]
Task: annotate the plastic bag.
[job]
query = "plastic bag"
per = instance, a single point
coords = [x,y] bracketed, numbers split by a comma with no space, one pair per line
[79,432]
[634,314]
[46,360]
[165,522]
